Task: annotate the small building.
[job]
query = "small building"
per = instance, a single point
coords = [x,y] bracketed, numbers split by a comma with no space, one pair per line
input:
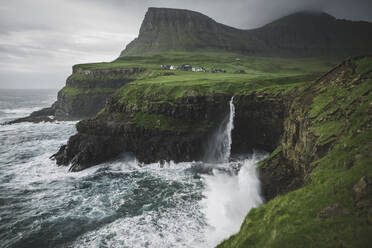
[165,67]
[198,69]
[185,67]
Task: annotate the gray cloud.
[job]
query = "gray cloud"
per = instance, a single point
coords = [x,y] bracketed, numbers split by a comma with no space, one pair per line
[40,40]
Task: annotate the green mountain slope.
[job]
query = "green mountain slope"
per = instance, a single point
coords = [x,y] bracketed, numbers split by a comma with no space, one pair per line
[299,34]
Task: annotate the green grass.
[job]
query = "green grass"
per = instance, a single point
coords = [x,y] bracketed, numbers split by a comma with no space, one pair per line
[340,115]
[275,74]
[271,65]
[264,74]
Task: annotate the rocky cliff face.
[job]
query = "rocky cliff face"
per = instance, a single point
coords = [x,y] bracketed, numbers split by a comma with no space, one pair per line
[87,90]
[259,120]
[85,93]
[166,131]
[175,130]
[299,34]
[309,134]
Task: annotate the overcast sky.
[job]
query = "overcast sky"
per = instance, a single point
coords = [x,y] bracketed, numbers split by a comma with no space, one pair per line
[40,40]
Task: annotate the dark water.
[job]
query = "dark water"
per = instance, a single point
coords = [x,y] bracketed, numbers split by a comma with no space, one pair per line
[116,204]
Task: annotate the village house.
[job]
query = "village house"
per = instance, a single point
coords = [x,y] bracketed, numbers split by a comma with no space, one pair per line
[165,67]
[187,67]
[198,69]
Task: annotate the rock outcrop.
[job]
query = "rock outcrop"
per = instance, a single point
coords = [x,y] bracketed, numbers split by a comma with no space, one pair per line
[299,34]
[85,93]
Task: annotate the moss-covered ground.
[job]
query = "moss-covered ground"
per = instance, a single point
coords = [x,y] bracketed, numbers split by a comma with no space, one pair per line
[340,115]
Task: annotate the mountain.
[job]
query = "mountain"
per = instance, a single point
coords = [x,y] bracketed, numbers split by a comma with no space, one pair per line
[183,30]
[302,33]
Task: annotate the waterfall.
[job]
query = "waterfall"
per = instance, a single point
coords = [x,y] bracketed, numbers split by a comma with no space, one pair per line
[219,148]
[228,197]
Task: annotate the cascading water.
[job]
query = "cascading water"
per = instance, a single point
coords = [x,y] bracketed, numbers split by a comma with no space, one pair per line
[228,196]
[219,149]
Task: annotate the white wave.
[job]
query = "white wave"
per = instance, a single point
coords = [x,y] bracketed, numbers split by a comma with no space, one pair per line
[170,228]
[228,199]
[19,111]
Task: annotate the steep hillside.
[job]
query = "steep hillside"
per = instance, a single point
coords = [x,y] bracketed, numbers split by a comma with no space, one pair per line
[299,34]
[165,30]
[325,153]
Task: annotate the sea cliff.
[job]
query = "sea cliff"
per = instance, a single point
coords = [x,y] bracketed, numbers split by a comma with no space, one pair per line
[317,181]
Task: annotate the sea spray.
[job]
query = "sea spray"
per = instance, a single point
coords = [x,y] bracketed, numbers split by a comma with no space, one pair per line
[219,147]
[228,198]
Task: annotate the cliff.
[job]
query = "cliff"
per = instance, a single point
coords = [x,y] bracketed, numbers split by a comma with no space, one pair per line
[299,34]
[318,179]
[85,93]
[170,115]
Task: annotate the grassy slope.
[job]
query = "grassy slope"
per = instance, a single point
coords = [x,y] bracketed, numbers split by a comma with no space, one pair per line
[156,85]
[260,72]
[291,220]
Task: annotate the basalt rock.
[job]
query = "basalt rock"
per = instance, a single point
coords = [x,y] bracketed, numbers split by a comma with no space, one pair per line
[175,133]
[43,115]
[176,130]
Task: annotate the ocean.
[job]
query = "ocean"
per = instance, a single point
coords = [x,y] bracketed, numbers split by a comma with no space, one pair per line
[114,204]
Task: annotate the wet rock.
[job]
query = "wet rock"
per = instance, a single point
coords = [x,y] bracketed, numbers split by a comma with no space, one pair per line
[43,115]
